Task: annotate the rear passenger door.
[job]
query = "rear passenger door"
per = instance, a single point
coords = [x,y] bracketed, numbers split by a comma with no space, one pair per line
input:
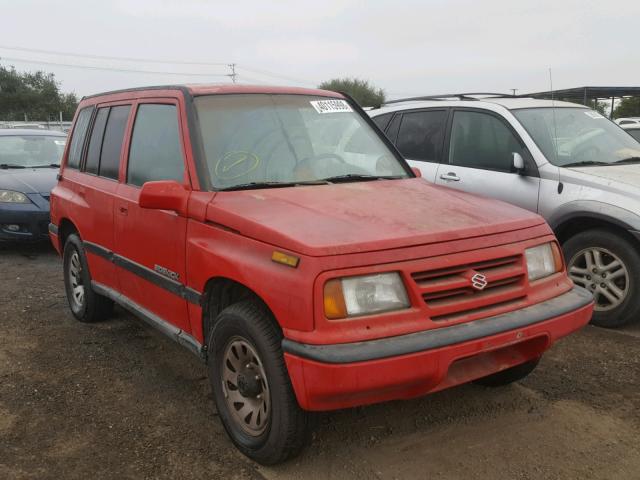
[97,187]
[420,139]
[150,243]
[480,159]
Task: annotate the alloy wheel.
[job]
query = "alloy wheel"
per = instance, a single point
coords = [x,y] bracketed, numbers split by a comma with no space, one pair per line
[75,279]
[602,273]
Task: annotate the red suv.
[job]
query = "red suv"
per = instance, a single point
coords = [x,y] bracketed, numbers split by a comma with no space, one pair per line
[279,236]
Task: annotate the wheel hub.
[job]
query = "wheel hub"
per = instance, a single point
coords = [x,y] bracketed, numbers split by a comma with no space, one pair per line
[245,387]
[603,273]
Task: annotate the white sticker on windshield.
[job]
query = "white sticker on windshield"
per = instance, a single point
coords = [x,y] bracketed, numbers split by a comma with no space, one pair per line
[331,106]
[593,114]
[60,142]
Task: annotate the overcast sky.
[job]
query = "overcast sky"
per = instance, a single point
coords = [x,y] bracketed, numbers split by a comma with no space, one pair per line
[405,47]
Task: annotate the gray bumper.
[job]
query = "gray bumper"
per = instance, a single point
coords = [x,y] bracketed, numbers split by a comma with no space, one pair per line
[441,337]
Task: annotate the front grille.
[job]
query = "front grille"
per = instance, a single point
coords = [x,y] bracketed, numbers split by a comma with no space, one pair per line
[450,296]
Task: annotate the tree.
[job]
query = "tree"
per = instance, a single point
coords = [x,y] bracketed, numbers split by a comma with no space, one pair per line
[361,90]
[628,107]
[34,96]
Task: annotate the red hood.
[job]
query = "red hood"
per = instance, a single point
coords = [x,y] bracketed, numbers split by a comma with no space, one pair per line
[364,216]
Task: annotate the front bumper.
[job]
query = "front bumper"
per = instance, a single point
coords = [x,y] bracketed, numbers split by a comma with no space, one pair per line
[327,377]
[32,221]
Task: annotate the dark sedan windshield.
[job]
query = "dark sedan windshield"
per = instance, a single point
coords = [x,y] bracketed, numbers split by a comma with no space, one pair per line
[577,136]
[30,150]
[254,140]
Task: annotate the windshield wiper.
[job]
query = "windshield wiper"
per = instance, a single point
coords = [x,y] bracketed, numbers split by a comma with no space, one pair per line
[356,177]
[259,185]
[586,163]
[628,160]
[50,165]
[5,166]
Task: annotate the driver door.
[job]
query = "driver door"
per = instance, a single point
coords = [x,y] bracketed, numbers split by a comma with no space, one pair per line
[480,160]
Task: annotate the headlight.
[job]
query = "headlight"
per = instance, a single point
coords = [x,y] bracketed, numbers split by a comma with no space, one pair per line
[9,196]
[543,260]
[352,296]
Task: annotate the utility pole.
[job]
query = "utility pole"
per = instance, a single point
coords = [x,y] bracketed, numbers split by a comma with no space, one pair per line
[514,90]
[233,73]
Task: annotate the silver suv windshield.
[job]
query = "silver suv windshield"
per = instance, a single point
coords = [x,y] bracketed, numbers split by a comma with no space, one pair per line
[578,137]
[262,140]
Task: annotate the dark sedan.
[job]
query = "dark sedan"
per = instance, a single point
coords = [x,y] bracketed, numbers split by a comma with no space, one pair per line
[29,163]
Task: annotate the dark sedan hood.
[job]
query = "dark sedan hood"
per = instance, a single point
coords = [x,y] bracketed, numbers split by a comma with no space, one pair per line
[29,180]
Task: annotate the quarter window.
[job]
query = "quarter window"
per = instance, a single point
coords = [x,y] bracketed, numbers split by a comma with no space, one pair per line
[95,141]
[156,152]
[479,140]
[382,120]
[112,143]
[78,136]
[421,134]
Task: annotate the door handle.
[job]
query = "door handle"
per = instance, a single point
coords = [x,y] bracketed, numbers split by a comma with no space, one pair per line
[123,210]
[450,177]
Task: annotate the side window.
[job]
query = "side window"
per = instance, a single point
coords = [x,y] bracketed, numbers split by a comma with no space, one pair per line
[382,120]
[78,136]
[480,140]
[112,143]
[95,141]
[392,129]
[156,152]
[421,135]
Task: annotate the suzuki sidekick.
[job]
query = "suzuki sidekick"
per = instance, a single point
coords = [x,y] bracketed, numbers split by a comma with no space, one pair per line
[277,234]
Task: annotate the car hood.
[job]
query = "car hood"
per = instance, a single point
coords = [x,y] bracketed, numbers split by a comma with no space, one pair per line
[29,180]
[364,216]
[627,174]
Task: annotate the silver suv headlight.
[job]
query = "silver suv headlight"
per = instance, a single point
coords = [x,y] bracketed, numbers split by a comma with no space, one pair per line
[9,196]
[543,260]
[366,294]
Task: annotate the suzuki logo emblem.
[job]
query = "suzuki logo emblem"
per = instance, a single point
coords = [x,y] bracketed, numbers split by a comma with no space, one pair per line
[479,281]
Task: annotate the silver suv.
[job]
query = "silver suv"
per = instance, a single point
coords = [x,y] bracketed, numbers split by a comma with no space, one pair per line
[570,164]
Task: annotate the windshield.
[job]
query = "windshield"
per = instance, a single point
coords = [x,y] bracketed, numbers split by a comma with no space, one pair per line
[577,136]
[257,139]
[30,150]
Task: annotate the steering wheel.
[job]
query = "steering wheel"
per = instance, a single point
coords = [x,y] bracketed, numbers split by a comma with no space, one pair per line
[586,153]
[308,168]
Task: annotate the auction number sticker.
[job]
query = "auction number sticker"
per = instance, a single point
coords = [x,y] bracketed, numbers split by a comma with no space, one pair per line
[331,106]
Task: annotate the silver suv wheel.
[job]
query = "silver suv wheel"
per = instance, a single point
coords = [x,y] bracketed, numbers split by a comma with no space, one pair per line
[75,279]
[603,273]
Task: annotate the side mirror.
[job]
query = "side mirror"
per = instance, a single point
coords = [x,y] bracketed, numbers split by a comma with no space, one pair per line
[164,195]
[416,171]
[518,162]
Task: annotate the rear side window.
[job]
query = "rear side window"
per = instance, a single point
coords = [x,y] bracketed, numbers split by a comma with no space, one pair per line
[635,133]
[155,152]
[95,141]
[421,135]
[112,143]
[382,120]
[78,136]
[480,140]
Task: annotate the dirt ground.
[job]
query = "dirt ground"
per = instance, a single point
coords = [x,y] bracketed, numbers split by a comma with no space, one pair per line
[117,400]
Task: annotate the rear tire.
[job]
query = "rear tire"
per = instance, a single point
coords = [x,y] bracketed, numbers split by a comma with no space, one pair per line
[86,305]
[608,265]
[251,385]
[509,375]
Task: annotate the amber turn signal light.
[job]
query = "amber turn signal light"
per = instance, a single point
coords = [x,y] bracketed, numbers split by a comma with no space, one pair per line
[334,306]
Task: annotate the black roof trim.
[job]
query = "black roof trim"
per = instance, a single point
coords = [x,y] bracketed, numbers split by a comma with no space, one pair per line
[460,96]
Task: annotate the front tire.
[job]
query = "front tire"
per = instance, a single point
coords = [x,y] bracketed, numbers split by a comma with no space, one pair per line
[86,305]
[251,386]
[608,265]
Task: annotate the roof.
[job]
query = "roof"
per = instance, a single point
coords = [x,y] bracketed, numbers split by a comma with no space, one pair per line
[211,89]
[508,102]
[8,132]
[579,93]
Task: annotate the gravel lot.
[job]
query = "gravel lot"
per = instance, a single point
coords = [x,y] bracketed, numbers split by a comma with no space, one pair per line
[118,400]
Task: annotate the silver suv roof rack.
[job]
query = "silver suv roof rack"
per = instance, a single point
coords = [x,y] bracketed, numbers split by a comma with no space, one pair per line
[459,96]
